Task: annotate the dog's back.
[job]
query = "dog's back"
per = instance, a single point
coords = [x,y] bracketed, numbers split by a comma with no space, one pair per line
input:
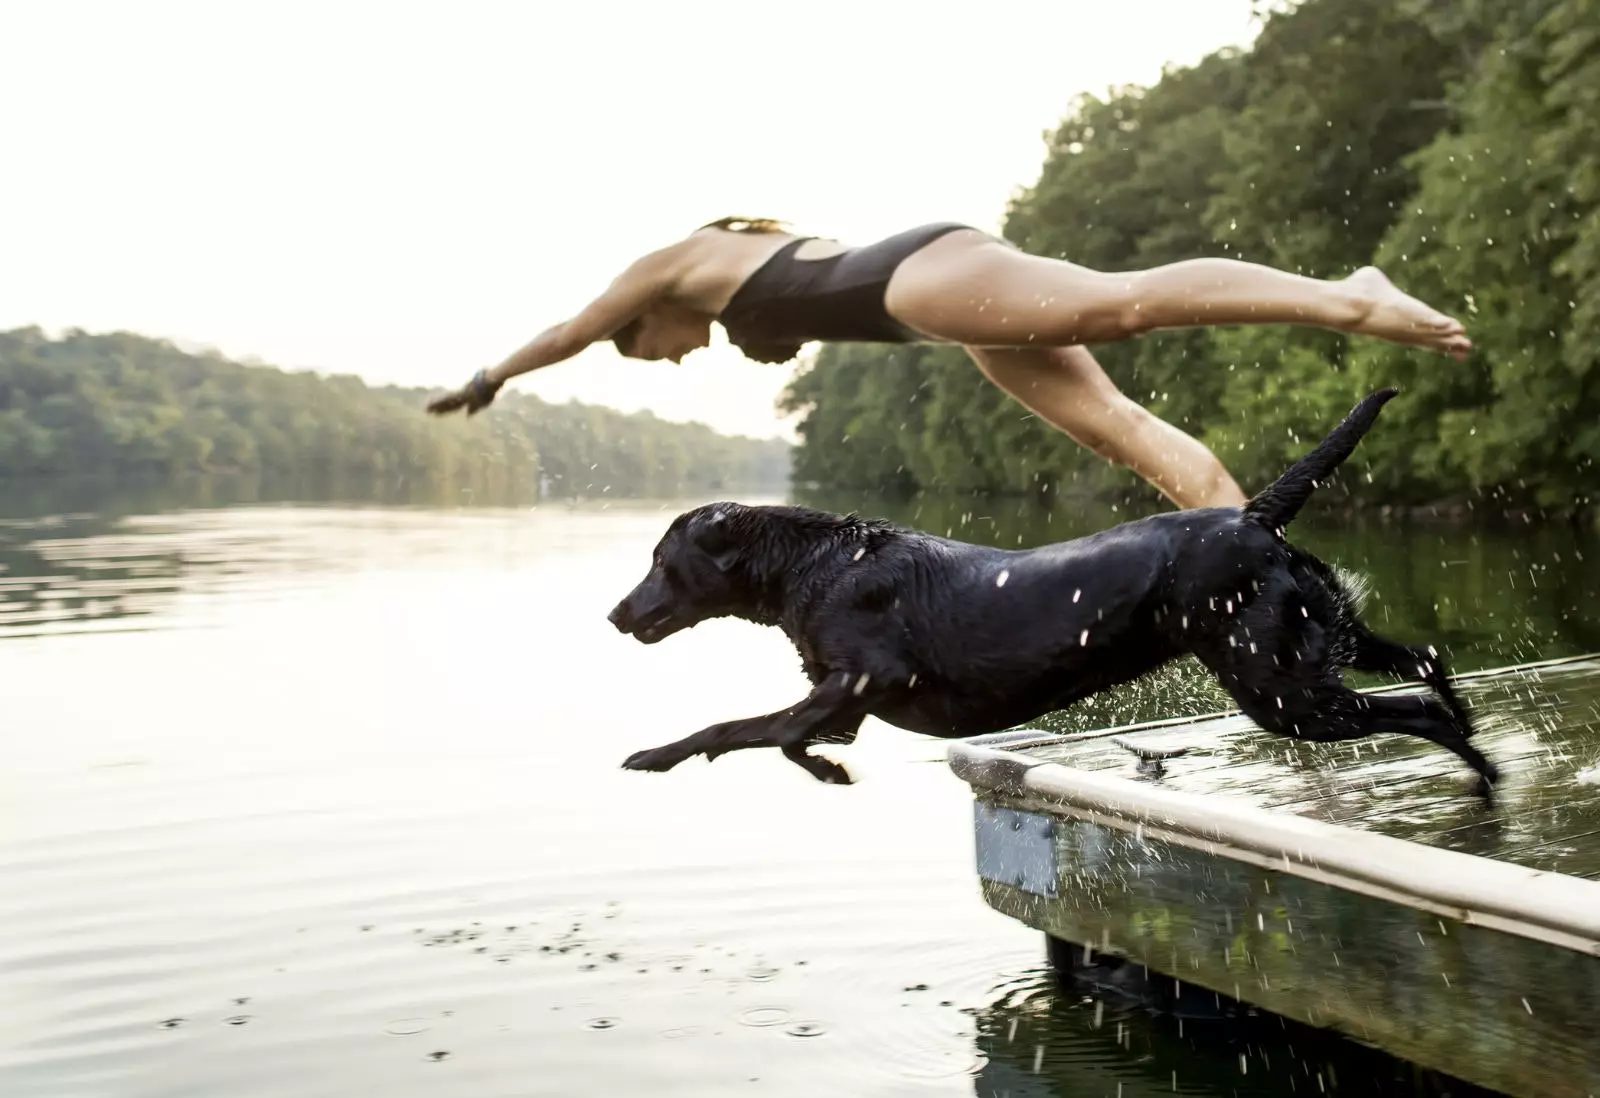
[997,637]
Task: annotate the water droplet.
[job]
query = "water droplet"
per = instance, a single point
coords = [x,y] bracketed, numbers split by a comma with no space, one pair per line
[761,973]
[763,1016]
[807,1029]
[237,1019]
[405,1027]
[601,1023]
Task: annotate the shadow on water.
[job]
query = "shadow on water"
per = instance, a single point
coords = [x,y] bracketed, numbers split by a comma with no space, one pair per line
[1105,1029]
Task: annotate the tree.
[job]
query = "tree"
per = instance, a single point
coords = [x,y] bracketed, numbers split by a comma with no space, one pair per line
[121,403]
[1455,143]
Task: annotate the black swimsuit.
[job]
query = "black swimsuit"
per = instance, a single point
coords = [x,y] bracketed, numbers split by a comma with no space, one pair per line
[789,302]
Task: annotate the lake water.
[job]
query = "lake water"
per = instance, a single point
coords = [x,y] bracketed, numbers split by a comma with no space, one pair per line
[305,800]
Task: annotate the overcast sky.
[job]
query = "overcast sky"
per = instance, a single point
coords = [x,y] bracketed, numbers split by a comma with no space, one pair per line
[408,191]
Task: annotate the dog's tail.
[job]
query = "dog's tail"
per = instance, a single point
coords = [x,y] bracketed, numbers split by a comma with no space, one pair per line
[1276,505]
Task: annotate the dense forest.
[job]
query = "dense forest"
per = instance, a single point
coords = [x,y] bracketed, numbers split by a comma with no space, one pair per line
[1454,143]
[124,404]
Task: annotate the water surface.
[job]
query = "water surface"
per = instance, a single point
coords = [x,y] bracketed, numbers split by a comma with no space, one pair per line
[306,800]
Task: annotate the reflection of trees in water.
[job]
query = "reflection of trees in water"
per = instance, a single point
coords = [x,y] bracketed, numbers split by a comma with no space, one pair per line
[60,569]
[91,553]
[1106,1030]
[1486,595]
[89,572]
[46,496]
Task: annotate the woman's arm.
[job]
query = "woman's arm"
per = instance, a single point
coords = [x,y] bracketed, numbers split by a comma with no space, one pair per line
[630,293]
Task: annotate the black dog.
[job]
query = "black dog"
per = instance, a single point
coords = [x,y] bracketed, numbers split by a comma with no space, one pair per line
[950,639]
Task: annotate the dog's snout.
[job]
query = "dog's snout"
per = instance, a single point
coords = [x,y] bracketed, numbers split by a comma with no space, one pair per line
[620,616]
[646,614]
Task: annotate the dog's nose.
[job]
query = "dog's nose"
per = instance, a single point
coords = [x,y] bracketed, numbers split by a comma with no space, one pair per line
[619,615]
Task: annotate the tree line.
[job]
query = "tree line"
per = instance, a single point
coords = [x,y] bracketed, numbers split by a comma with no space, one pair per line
[1454,143]
[125,404]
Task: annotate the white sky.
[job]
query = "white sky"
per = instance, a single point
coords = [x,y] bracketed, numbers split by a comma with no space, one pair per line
[409,191]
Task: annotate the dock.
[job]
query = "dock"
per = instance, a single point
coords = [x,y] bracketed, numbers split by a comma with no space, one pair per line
[1359,887]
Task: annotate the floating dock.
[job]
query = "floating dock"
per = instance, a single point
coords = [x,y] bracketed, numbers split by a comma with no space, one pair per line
[1359,887]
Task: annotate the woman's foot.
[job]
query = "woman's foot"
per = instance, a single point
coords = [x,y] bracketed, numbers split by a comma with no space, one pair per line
[1386,313]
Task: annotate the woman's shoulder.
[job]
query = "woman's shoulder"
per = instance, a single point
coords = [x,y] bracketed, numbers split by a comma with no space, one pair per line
[708,265]
[717,245]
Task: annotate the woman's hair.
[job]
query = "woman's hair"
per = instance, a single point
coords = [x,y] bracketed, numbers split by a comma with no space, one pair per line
[747,225]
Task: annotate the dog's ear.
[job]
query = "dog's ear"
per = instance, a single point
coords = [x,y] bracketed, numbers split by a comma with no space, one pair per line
[715,538]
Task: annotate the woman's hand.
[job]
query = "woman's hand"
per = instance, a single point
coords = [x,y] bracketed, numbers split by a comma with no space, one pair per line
[630,294]
[474,396]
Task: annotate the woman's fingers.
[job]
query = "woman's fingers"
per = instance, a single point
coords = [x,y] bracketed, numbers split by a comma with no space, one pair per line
[447,403]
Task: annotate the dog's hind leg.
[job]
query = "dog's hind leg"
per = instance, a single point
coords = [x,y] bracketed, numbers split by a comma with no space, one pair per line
[1375,653]
[1278,665]
[1327,712]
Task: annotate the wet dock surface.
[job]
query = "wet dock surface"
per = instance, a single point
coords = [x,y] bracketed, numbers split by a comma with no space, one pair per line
[1425,947]
[1540,725]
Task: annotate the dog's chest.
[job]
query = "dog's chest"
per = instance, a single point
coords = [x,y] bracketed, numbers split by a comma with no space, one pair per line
[810,660]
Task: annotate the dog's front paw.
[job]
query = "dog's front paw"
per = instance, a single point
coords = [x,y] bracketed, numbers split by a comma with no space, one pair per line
[825,770]
[834,774]
[657,758]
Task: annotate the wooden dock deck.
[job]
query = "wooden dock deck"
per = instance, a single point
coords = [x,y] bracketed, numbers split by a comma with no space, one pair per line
[1355,886]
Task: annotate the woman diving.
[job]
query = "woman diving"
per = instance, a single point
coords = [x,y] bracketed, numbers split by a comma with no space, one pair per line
[1023,319]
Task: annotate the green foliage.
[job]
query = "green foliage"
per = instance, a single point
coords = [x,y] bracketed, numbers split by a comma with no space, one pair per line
[119,403]
[1454,143]
[1504,221]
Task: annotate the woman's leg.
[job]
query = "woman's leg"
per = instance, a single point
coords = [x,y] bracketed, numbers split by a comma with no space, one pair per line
[1067,388]
[978,291]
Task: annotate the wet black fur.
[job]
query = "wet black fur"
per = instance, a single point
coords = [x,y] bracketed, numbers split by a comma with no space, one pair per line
[950,639]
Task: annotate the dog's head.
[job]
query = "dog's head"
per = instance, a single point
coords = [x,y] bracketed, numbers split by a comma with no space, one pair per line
[693,575]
